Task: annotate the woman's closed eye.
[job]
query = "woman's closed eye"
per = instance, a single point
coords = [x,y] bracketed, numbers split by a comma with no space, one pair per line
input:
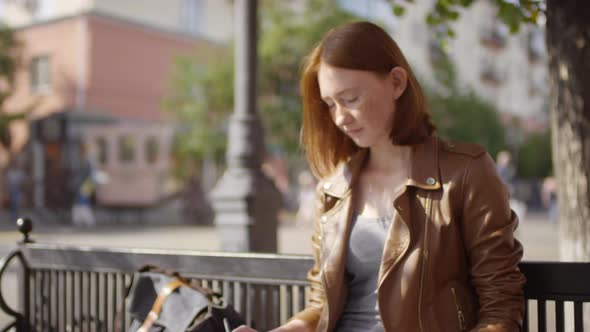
[348,101]
[351,100]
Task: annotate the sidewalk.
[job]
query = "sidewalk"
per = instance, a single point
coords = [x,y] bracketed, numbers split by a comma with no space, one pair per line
[538,235]
[293,240]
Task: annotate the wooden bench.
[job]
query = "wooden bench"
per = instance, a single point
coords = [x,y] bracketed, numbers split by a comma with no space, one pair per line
[66,288]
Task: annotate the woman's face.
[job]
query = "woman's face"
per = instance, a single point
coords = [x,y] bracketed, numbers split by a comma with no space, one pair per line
[362,103]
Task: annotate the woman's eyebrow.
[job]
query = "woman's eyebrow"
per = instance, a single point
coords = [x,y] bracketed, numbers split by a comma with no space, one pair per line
[339,93]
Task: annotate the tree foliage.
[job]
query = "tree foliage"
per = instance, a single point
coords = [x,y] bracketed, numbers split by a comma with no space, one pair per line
[534,156]
[202,88]
[467,117]
[203,95]
[285,40]
[201,98]
[513,13]
[10,60]
[462,115]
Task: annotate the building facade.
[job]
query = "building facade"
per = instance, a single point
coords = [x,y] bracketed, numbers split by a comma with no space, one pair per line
[206,19]
[98,79]
[510,71]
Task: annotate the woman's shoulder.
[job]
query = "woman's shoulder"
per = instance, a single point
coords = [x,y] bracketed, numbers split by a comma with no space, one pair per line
[457,158]
[460,148]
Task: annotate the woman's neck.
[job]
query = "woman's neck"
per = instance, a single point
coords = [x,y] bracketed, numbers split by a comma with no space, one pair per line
[389,158]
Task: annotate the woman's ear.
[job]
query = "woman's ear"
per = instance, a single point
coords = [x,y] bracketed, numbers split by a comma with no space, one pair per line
[399,80]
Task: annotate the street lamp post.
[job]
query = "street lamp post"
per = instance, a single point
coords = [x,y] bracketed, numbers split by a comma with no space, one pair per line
[245,201]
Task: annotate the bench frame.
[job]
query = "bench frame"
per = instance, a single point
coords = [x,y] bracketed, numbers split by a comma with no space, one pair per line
[77,288]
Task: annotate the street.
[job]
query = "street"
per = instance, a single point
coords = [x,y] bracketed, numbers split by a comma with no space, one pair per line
[538,235]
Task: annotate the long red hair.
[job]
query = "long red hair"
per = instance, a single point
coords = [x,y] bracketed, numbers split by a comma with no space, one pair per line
[360,46]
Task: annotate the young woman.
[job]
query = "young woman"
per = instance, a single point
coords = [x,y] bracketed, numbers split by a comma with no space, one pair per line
[413,233]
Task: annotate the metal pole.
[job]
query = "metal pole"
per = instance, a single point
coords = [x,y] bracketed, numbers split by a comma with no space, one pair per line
[245,201]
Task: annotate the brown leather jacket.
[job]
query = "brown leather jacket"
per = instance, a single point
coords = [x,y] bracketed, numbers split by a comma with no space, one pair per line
[450,261]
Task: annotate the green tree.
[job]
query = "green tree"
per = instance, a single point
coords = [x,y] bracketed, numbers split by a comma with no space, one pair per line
[467,117]
[534,156]
[286,38]
[459,114]
[10,60]
[200,101]
[202,95]
[513,13]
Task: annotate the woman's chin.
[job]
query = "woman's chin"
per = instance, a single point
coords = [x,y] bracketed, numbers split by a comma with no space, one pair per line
[361,143]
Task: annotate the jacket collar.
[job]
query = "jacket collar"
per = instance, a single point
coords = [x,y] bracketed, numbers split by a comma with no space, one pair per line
[423,169]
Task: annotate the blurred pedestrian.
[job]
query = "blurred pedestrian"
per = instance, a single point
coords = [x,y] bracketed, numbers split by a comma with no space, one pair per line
[15,178]
[507,172]
[506,169]
[88,177]
[549,197]
[82,214]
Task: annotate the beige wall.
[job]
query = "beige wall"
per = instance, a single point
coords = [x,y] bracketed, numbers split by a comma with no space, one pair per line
[512,95]
[15,15]
[511,61]
[218,20]
[162,14]
[213,17]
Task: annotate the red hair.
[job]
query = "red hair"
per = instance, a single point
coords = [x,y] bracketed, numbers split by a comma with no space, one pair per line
[359,46]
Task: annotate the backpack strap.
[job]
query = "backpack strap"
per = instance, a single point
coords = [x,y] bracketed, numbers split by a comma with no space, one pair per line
[157,306]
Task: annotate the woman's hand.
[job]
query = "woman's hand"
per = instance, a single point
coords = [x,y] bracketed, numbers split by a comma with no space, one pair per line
[243,328]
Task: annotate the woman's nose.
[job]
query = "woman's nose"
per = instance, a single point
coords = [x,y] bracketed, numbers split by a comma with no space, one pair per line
[341,116]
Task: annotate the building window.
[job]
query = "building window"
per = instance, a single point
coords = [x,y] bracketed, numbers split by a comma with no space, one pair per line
[495,36]
[40,74]
[191,11]
[536,46]
[152,150]
[102,150]
[127,149]
[490,73]
[537,84]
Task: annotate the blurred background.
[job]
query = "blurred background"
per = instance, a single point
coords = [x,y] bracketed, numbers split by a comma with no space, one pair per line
[114,114]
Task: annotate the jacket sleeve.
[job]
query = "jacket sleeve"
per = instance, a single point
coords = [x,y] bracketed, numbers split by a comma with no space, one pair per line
[494,253]
[311,314]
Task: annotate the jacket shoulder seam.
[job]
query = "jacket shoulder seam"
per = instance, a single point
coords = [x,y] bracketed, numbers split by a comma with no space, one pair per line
[468,149]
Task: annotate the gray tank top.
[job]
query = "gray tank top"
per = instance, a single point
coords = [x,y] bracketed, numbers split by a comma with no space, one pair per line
[365,250]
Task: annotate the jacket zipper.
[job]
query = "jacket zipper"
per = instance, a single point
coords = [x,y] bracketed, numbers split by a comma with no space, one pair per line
[425,254]
[460,316]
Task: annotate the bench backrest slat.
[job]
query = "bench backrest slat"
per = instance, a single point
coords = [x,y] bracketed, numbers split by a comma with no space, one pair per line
[557,280]
[244,267]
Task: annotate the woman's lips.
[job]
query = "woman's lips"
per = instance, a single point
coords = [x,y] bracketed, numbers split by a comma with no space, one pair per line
[353,131]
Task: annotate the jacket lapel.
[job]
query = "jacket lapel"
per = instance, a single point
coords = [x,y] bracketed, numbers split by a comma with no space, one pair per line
[336,222]
[424,174]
